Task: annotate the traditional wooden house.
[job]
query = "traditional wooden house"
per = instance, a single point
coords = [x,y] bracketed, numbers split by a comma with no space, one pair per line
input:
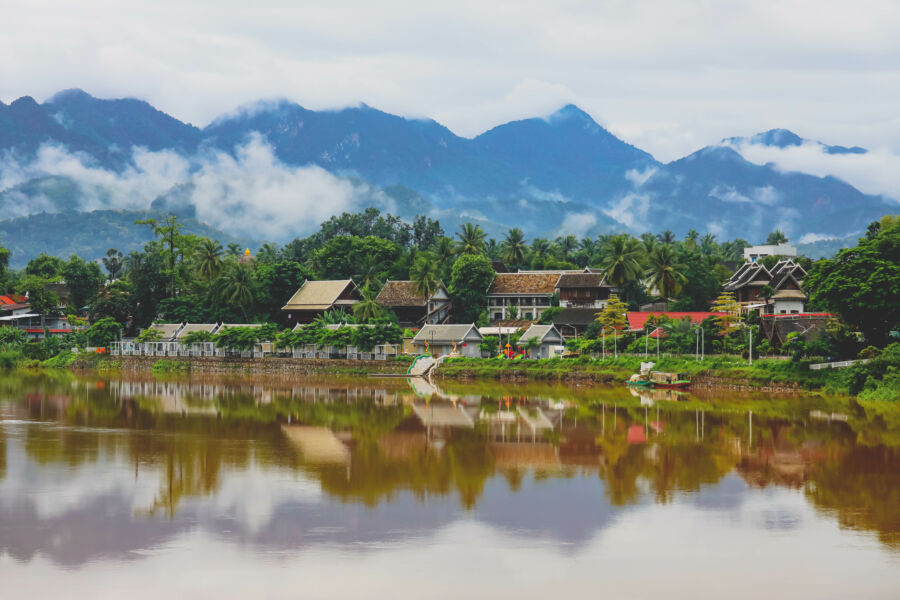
[315,297]
[785,280]
[439,340]
[583,290]
[412,308]
[530,292]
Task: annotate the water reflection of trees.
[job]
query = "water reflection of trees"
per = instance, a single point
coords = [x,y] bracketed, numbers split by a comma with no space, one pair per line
[844,465]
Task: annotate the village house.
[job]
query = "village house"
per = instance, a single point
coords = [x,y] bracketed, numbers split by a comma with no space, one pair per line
[439,340]
[548,336]
[583,290]
[316,297]
[785,279]
[530,292]
[754,253]
[412,308]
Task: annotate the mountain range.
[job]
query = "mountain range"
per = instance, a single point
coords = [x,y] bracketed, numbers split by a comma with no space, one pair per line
[275,169]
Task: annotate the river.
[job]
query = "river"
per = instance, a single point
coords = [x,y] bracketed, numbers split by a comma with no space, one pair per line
[205,487]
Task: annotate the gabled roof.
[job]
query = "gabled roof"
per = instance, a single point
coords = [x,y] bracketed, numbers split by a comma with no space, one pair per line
[168,330]
[230,325]
[754,272]
[446,333]
[319,295]
[401,293]
[192,327]
[13,299]
[637,319]
[541,332]
[580,280]
[525,283]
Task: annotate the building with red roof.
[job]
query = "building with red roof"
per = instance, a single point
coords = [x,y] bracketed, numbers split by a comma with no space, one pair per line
[637,319]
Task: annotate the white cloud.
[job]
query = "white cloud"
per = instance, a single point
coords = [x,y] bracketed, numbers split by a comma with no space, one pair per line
[639,178]
[875,172]
[630,210]
[576,224]
[810,238]
[251,194]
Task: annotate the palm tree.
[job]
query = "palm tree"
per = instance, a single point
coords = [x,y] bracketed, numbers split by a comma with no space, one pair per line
[471,239]
[424,275]
[209,259]
[587,248]
[664,272]
[777,237]
[237,287]
[666,237]
[514,247]
[708,244]
[113,263]
[567,245]
[540,248]
[368,271]
[620,259]
[444,250]
[268,254]
[691,238]
[367,309]
[649,242]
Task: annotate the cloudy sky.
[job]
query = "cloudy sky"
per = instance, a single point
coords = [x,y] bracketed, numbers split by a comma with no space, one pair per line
[667,76]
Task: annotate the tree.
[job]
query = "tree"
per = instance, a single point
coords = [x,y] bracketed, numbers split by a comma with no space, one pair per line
[196,337]
[470,279]
[512,312]
[567,245]
[367,309]
[702,281]
[149,335]
[692,238]
[614,314]
[540,250]
[664,272]
[471,239]
[862,284]
[104,332]
[426,231]
[708,245]
[621,260]
[169,232]
[424,275]
[341,257]
[236,339]
[209,259]
[514,247]
[766,292]
[237,287]
[776,237]
[731,321]
[83,280]
[45,266]
[276,283]
[4,265]
[113,263]
[666,237]
[147,274]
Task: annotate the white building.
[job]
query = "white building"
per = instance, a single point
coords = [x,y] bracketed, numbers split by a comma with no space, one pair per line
[754,253]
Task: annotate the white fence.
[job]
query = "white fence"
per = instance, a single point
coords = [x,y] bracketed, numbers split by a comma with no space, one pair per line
[838,365]
[260,350]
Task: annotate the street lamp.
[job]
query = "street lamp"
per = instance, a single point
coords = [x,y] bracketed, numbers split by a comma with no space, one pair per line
[647,343]
[700,348]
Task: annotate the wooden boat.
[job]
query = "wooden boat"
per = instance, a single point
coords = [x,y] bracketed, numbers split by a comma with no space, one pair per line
[661,379]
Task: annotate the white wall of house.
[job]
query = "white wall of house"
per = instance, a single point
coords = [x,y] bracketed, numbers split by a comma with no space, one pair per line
[788,307]
[530,306]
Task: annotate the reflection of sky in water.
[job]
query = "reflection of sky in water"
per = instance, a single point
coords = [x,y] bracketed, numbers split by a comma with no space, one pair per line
[271,527]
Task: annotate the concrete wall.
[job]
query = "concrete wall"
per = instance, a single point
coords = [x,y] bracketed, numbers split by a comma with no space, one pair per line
[214,364]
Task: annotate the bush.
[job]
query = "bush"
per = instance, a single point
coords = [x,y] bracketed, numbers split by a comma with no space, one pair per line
[869,352]
[9,358]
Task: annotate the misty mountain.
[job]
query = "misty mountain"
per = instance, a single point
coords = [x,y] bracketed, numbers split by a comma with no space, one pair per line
[275,169]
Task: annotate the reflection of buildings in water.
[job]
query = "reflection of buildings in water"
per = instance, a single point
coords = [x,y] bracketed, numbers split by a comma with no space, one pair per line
[649,396]
[319,445]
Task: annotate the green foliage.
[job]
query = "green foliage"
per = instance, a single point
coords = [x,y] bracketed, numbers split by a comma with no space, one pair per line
[869,352]
[341,257]
[490,345]
[45,267]
[12,338]
[549,313]
[471,240]
[42,300]
[83,280]
[470,279]
[613,315]
[862,284]
[170,366]
[150,335]
[236,339]
[104,332]
[275,283]
[9,358]
[196,337]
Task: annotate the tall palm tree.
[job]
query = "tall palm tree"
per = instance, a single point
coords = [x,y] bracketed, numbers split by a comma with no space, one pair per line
[777,237]
[237,287]
[588,248]
[708,245]
[444,250]
[567,245]
[664,272]
[424,275]
[649,242]
[620,259]
[666,237]
[471,239]
[368,271]
[209,259]
[514,247]
[268,254]
[691,238]
[540,248]
[367,309]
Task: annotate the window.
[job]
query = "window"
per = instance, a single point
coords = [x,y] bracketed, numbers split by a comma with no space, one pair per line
[497,316]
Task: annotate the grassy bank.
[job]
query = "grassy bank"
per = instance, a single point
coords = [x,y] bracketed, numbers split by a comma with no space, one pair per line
[879,379]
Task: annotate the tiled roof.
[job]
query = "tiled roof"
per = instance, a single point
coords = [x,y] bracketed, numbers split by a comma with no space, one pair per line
[400,293]
[637,319]
[13,299]
[192,327]
[317,295]
[580,280]
[524,283]
[445,333]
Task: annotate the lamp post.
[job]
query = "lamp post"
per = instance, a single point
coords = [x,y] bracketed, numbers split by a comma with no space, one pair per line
[647,343]
[700,348]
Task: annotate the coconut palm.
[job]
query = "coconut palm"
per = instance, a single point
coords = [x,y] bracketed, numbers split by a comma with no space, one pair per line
[587,248]
[444,250]
[708,245]
[540,248]
[514,247]
[648,240]
[664,272]
[268,254]
[368,271]
[424,275]
[209,259]
[367,309]
[620,259]
[471,239]
[666,237]
[567,245]
[777,237]
[691,238]
[236,287]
